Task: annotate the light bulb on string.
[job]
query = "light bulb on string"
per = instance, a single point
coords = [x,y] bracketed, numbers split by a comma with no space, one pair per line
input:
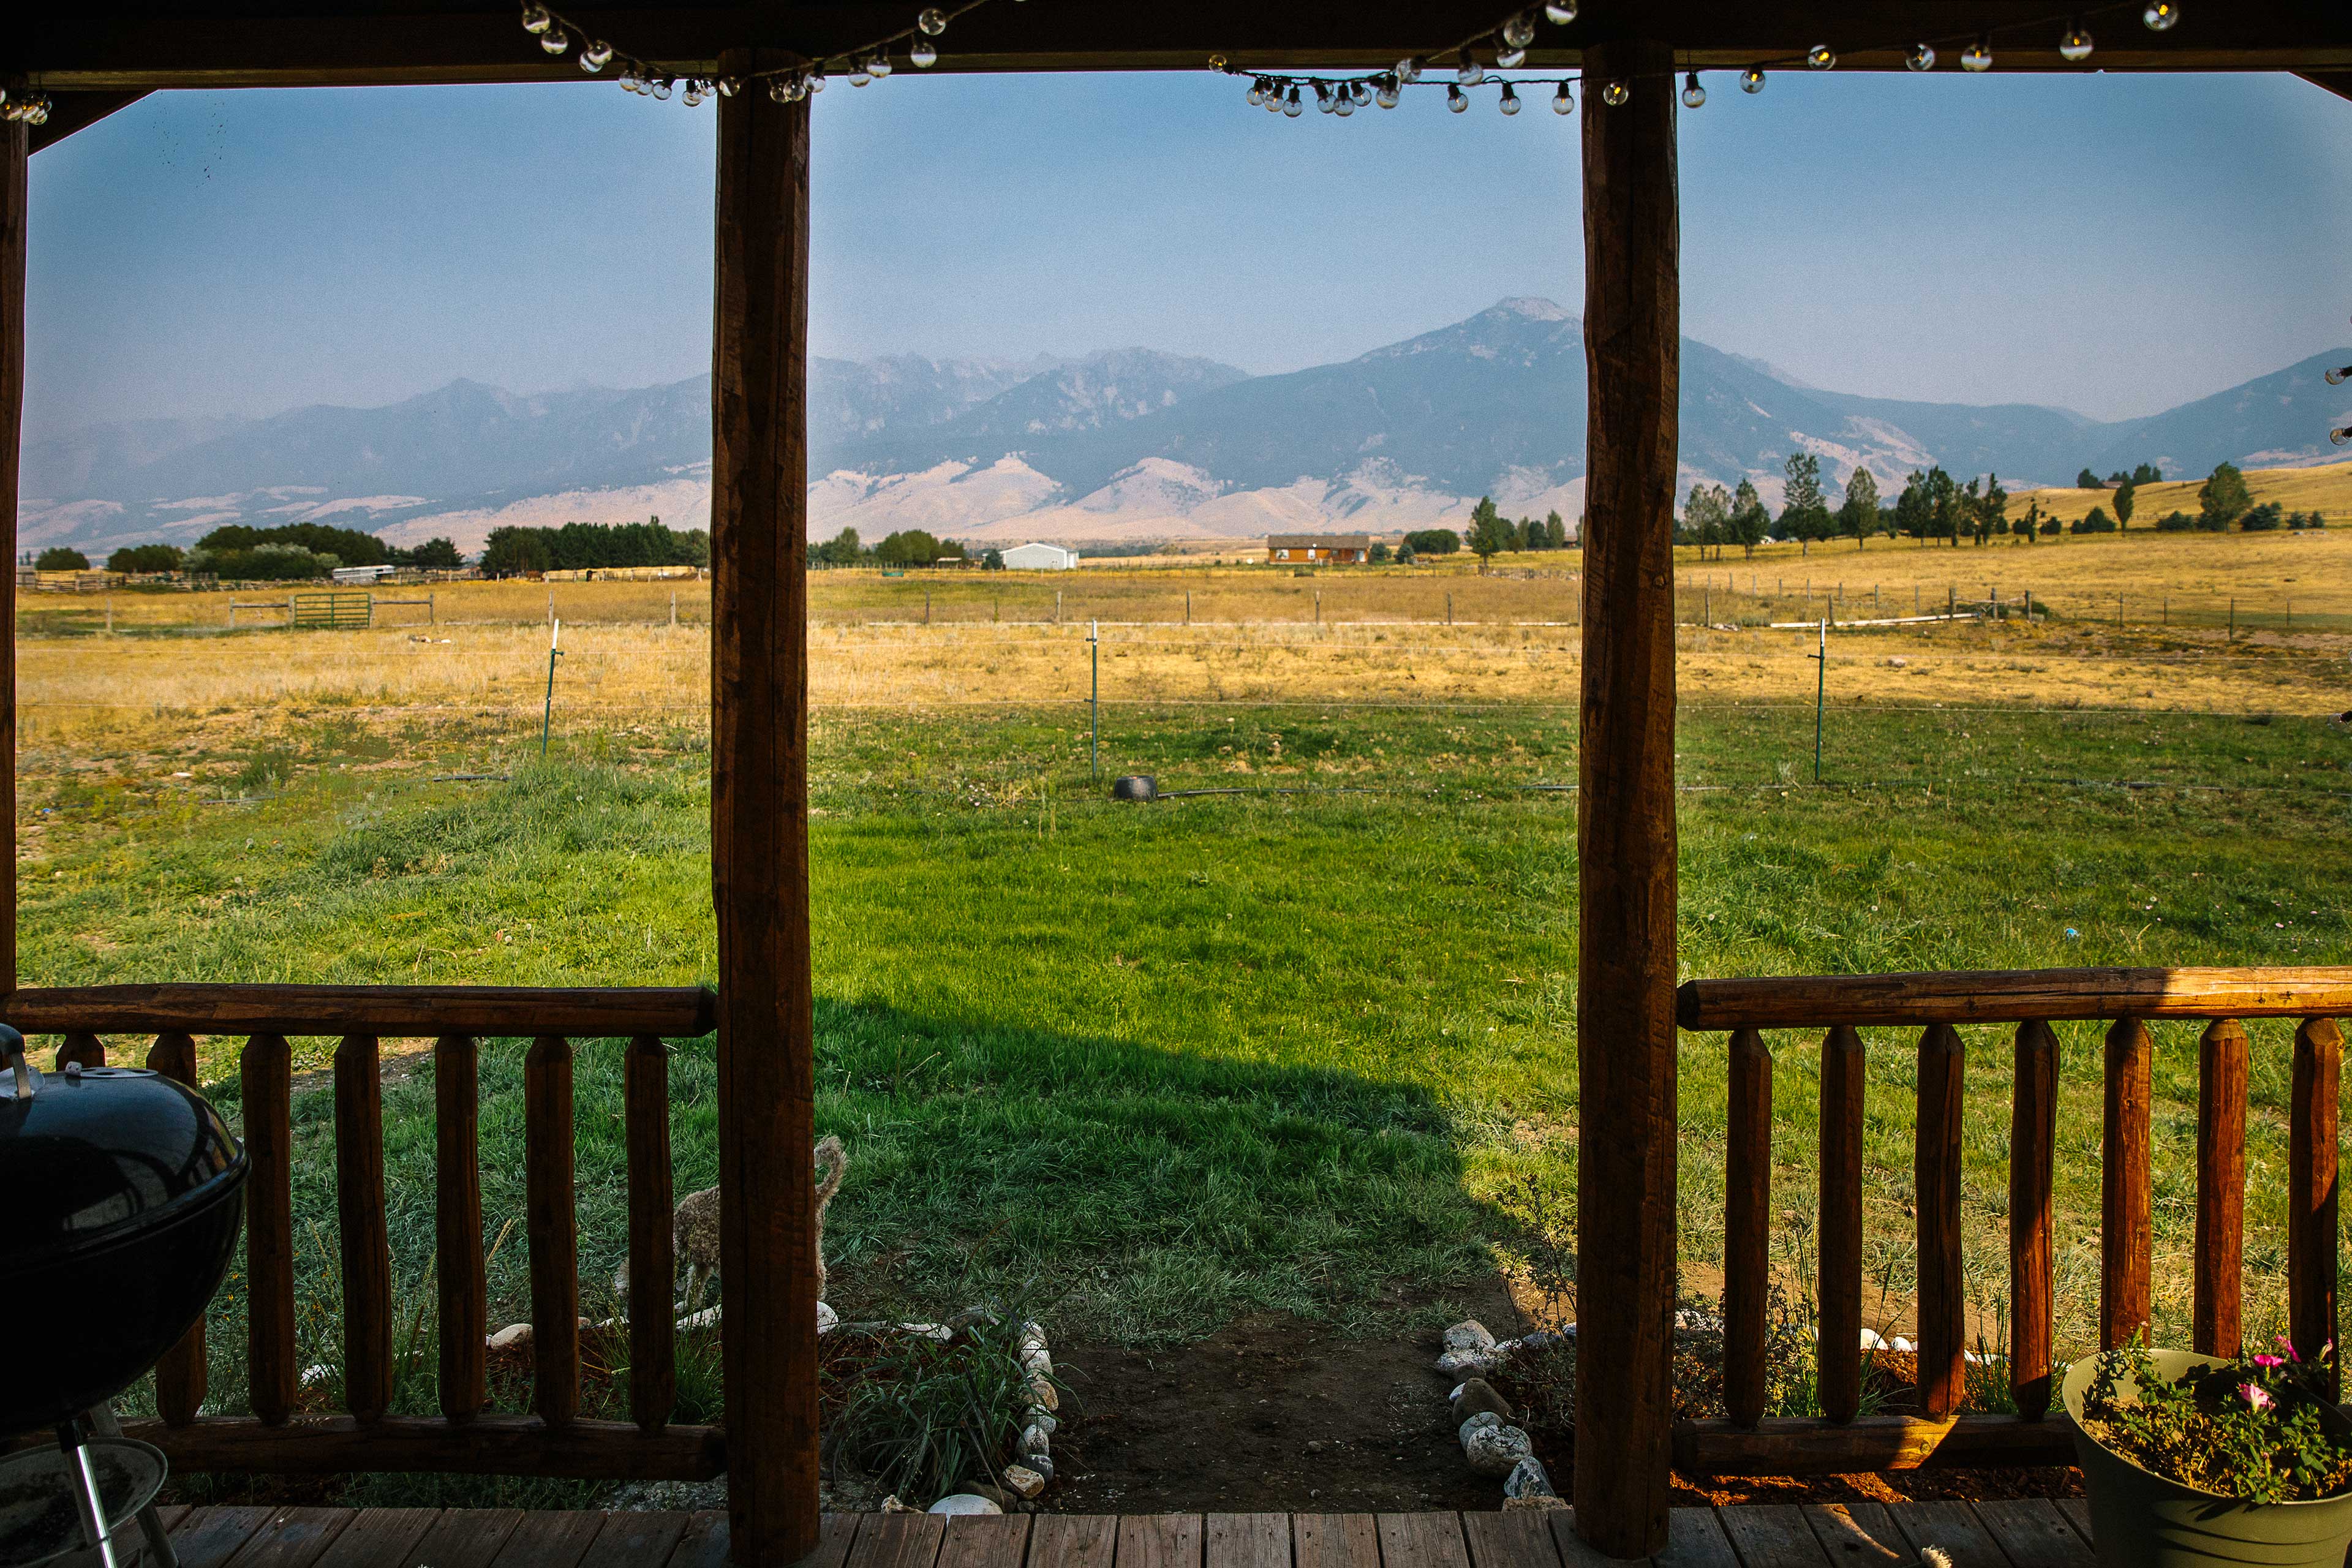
[1345,104]
[1752,79]
[1694,95]
[2075,43]
[932,21]
[1520,30]
[923,53]
[1388,93]
[1291,106]
[537,20]
[1615,93]
[1257,93]
[858,74]
[595,57]
[814,82]
[2161,15]
[2339,377]
[1821,57]
[781,91]
[1977,56]
[1362,90]
[1563,101]
[1470,73]
[1457,100]
[1510,58]
[692,96]
[1274,99]
[729,87]
[661,88]
[1409,70]
[555,40]
[1921,57]
[1510,104]
[880,64]
[1561,13]
[2341,435]
[629,79]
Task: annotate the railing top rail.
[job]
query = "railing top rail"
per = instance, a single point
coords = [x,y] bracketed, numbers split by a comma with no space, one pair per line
[2014,995]
[672,1012]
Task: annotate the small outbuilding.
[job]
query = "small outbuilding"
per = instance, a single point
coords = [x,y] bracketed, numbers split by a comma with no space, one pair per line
[1344,548]
[1040,558]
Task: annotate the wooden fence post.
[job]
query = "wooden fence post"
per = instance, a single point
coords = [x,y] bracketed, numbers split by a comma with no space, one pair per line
[758,526]
[2311,1189]
[2218,1274]
[1625,822]
[2126,1216]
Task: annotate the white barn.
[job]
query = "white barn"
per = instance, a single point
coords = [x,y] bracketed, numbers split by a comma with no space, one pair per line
[1041,558]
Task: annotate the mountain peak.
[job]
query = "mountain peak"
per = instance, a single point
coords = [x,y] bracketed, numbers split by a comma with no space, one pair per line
[1533,308]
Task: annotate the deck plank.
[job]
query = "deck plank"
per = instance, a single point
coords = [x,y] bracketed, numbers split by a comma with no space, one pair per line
[2034,1533]
[1418,1541]
[1247,1540]
[1695,1538]
[1330,1540]
[378,1538]
[1953,1528]
[988,1540]
[130,1542]
[1856,1532]
[1159,1541]
[293,1537]
[2076,1512]
[462,1538]
[1512,1538]
[898,1540]
[707,1536]
[1772,1535]
[637,1539]
[209,1536]
[552,1538]
[1076,1540]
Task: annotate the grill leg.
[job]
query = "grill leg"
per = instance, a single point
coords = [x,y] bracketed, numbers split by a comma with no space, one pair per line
[96,1528]
[151,1522]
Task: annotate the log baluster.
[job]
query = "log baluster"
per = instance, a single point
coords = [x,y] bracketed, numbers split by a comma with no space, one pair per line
[2312,1154]
[180,1376]
[360,1220]
[552,1224]
[653,1265]
[87,1049]
[2033,1151]
[1936,1185]
[1837,1356]
[1747,1226]
[266,1075]
[2126,1227]
[2221,1055]
[458,1225]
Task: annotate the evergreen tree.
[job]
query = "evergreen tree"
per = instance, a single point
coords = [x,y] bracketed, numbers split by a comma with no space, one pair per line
[1857,515]
[2124,501]
[2147,474]
[2224,498]
[2087,480]
[1804,516]
[1488,533]
[1913,514]
[1554,533]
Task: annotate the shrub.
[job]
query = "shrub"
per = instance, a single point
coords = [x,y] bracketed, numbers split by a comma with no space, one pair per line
[2175,522]
[61,558]
[1379,555]
[1434,541]
[2264,518]
[2098,522]
[2299,521]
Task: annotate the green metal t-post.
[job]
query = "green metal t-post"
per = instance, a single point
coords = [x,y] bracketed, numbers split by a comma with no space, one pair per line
[1093,700]
[1820,694]
[547,716]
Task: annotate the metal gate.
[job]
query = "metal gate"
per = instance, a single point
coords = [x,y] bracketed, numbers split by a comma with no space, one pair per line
[335,611]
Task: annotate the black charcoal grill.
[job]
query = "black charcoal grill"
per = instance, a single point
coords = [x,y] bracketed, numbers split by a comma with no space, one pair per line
[124,1192]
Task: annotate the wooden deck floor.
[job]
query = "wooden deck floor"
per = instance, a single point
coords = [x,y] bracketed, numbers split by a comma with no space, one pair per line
[2017,1534]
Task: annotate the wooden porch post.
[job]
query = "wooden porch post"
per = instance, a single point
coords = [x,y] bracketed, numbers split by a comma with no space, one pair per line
[16,148]
[1625,821]
[759,809]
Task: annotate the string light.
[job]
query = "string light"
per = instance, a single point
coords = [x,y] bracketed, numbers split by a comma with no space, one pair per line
[1563,101]
[1820,58]
[1510,104]
[2161,15]
[1615,93]
[1978,57]
[1751,79]
[1456,100]
[25,106]
[1922,58]
[1561,13]
[2075,43]
[1694,95]
[2339,377]
[2340,435]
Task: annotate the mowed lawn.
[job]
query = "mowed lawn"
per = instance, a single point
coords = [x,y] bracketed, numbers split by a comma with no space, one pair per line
[1151,1066]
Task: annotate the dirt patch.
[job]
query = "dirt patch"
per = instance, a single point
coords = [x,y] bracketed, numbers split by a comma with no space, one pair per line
[1274,1414]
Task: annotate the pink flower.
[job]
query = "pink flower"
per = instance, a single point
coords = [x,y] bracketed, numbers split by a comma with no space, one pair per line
[2269,1361]
[2256,1396]
[2288,1345]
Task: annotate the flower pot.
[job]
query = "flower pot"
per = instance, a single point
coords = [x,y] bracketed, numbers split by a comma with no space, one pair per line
[2141,1519]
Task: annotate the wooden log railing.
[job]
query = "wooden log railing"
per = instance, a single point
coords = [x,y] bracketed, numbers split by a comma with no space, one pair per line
[2031,1000]
[466,1437]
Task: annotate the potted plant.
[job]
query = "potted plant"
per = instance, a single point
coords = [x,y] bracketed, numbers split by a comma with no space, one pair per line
[2197,1459]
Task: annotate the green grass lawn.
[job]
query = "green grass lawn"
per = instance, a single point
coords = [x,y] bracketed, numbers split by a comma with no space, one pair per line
[1155,1066]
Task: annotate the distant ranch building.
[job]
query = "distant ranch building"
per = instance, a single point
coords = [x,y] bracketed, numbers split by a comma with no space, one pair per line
[1336,547]
[1040,558]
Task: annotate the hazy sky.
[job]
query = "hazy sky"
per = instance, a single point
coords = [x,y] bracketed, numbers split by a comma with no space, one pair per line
[2111,243]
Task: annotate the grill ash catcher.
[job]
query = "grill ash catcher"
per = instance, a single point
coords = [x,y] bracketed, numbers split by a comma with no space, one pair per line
[124,1192]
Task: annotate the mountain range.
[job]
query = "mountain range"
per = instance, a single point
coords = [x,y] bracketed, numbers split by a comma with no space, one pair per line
[1127,444]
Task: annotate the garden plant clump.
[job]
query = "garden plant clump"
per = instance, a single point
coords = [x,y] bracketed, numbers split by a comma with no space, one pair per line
[2259,1427]
[921,1413]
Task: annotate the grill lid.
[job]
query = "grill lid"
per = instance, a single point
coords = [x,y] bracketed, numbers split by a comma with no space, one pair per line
[95,1156]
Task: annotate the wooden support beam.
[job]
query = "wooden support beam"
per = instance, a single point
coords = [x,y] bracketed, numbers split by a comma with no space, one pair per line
[1808,1446]
[72,111]
[2015,996]
[1625,820]
[2127,1212]
[15,149]
[759,806]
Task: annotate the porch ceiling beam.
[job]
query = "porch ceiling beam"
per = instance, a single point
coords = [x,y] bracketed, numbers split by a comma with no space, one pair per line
[72,111]
[114,46]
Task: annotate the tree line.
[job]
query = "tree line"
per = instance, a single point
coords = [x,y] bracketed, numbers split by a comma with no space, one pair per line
[908,547]
[581,546]
[291,552]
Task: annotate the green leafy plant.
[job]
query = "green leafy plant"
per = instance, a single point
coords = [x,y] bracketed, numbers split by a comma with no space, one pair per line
[924,1414]
[2250,1428]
